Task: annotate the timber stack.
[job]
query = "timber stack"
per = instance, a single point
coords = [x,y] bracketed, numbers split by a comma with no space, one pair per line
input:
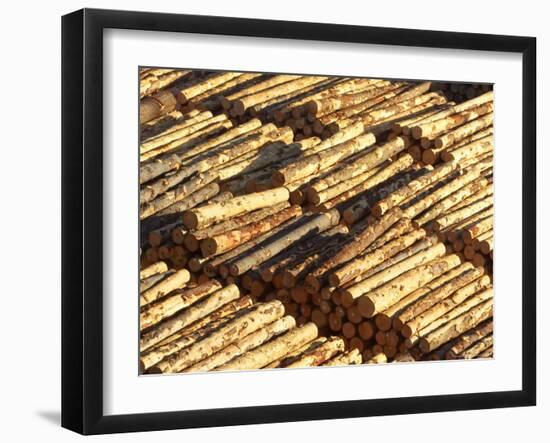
[327,220]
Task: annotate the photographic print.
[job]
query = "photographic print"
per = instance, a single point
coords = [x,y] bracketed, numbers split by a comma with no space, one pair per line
[293,221]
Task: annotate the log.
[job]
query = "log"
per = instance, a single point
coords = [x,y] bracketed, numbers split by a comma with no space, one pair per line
[351,250]
[406,309]
[390,293]
[313,225]
[312,164]
[463,131]
[440,193]
[169,306]
[192,239]
[273,350]
[207,215]
[171,283]
[477,348]
[352,357]
[469,338]
[192,200]
[377,359]
[362,263]
[456,326]
[444,299]
[256,318]
[156,105]
[463,213]
[333,346]
[363,287]
[190,315]
[186,94]
[224,242]
[245,344]
[413,187]
[155,268]
[153,280]
[451,201]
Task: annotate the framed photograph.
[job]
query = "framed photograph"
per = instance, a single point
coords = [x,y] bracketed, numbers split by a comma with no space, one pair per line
[271,221]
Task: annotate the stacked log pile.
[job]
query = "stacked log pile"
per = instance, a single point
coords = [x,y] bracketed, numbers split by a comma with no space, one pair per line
[291,221]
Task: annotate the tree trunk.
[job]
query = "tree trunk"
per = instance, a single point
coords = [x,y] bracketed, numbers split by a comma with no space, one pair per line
[318,356]
[155,268]
[352,357]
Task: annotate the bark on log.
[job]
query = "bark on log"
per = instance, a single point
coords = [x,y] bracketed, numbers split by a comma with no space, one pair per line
[326,351]
[169,306]
[406,308]
[207,215]
[312,164]
[245,344]
[462,213]
[241,326]
[352,357]
[363,287]
[390,293]
[463,131]
[173,282]
[192,239]
[469,338]
[156,105]
[155,268]
[314,225]
[194,199]
[221,243]
[186,94]
[444,299]
[351,250]
[274,350]
[456,326]
[189,316]
[365,262]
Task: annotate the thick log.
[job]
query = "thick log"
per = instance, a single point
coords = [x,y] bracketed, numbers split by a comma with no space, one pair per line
[153,280]
[475,230]
[224,242]
[176,281]
[456,326]
[390,293]
[245,344]
[326,351]
[189,316]
[314,225]
[168,306]
[256,318]
[207,215]
[257,87]
[155,268]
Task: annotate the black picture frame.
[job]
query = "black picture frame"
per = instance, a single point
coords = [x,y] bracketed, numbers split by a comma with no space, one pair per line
[82,219]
